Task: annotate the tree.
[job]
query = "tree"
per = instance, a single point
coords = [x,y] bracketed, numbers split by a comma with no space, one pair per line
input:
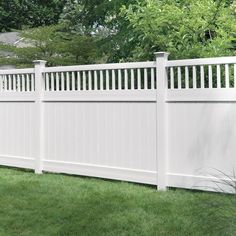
[17,14]
[47,43]
[101,19]
[185,28]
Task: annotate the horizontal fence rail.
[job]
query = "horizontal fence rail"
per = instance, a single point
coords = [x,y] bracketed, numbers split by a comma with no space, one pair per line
[155,122]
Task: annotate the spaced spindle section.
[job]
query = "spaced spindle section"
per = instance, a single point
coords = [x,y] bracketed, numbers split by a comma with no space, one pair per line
[89,80]
[79,81]
[101,80]
[84,81]
[210,76]
[107,80]
[73,81]
[126,80]
[179,78]
[95,80]
[153,82]
[172,82]
[113,75]
[119,80]
[145,79]
[218,76]
[132,79]
[194,77]
[227,76]
[202,76]
[235,75]
[186,77]
[139,79]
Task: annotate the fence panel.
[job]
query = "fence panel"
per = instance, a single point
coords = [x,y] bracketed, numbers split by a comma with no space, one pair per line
[168,123]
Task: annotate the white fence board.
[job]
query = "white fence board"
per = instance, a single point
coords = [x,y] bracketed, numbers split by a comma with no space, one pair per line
[101,134]
[17,133]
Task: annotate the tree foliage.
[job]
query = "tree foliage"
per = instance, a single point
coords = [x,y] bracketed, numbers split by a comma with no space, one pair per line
[101,19]
[47,43]
[17,14]
[91,31]
[185,28]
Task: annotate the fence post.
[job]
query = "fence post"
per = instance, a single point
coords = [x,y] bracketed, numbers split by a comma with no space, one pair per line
[39,66]
[162,119]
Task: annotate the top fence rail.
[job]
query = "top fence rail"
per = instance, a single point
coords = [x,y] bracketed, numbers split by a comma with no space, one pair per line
[202,61]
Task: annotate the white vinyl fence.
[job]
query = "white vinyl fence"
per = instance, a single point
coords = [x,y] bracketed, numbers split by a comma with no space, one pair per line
[166,123]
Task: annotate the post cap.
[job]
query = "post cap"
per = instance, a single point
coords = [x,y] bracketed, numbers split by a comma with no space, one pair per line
[40,62]
[161,54]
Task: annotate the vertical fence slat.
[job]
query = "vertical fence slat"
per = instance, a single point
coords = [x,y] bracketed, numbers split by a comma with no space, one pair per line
[73,81]
[218,76]
[235,75]
[57,82]
[18,83]
[32,82]
[89,80]
[52,82]
[139,79]
[47,82]
[10,82]
[126,79]
[95,80]
[79,81]
[210,76]
[119,80]
[145,79]
[107,80]
[113,80]
[62,81]
[179,78]
[101,80]
[186,77]
[27,83]
[227,75]
[84,81]
[67,81]
[23,82]
[194,77]
[1,83]
[132,79]
[14,83]
[152,78]
[5,82]
[172,82]
[202,77]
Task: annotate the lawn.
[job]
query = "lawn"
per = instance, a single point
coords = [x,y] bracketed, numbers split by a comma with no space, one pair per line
[53,204]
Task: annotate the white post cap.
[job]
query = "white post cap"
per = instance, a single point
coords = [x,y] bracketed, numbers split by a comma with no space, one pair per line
[40,62]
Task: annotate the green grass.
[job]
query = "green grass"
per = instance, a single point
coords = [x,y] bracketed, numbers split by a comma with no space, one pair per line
[52,204]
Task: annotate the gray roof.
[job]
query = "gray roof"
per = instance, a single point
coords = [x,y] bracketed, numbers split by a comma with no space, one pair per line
[11,38]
